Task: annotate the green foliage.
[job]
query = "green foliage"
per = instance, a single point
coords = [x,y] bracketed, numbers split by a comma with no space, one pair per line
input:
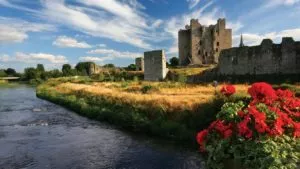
[2,73]
[174,61]
[30,73]
[110,65]
[40,68]
[229,111]
[83,68]
[11,72]
[67,70]
[146,89]
[131,67]
[182,78]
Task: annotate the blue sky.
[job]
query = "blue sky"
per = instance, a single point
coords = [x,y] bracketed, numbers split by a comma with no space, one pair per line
[54,32]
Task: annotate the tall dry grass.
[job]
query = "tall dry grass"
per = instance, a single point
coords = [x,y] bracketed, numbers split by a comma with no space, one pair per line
[182,97]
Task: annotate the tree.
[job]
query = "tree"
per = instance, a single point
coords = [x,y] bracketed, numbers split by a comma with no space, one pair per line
[66,70]
[110,65]
[30,73]
[2,73]
[174,61]
[83,68]
[131,67]
[10,72]
[40,68]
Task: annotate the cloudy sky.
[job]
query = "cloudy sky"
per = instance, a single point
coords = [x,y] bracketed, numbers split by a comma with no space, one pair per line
[54,32]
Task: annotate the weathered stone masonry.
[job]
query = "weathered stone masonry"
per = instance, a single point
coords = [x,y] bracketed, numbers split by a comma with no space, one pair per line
[139,62]
[200,44]
[155,65]
[267,58]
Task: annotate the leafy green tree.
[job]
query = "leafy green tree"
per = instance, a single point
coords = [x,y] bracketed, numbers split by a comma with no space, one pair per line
[174,61]
[30,73]
[131,67]
[10,72]
[66,70]
[40,68]
[110,65]
[83,68]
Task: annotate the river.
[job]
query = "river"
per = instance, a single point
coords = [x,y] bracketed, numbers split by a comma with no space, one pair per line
[38,134]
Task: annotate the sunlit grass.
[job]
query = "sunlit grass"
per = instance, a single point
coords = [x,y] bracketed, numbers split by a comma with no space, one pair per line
[172,96]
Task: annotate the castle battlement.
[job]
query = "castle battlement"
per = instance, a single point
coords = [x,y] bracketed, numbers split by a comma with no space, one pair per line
[266,58]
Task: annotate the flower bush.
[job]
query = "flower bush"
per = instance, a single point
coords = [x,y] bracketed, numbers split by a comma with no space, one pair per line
[264,133]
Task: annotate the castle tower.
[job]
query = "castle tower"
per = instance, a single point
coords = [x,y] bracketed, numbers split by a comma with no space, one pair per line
[199,44]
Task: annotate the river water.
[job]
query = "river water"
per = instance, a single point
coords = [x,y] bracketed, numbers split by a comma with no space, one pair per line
[38,134]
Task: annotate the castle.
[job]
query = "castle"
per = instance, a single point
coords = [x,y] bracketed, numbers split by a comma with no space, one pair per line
[199,44]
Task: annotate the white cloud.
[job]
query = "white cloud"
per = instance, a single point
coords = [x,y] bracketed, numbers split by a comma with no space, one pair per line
[193,3]
[67,42]
[115,54]
[95,59]
[251,39]
[116,20]
[274,3]
[15,30]
[34,58]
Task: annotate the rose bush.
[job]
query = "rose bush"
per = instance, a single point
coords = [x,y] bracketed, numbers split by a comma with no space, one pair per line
[264,133]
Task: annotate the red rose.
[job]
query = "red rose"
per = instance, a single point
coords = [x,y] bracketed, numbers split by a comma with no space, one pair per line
[228,90]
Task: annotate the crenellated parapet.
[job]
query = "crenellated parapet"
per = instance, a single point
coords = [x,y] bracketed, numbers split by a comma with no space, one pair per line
[266,58]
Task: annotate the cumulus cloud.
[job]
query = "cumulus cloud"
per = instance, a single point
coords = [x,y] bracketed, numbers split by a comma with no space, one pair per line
[16,30]
[115,54]
[101,45]
[68,42]
[34,58]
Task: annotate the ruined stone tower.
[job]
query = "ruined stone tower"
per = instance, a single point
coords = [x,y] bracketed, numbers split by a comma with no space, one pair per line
[199,44]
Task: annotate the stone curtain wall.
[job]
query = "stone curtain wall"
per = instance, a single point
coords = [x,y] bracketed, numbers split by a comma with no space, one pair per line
[267,58]
[139,62]
[155,65]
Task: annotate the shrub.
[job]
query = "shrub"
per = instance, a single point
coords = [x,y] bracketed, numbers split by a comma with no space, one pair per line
[145,89]
[261,134]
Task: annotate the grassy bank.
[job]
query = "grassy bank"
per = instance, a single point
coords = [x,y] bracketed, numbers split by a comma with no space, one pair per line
[170,110]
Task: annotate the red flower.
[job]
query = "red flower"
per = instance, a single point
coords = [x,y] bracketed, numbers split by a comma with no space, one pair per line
[243,128]
[277,128]
[284,93]
[228,90]
[201,136]
[259,118]
[227,133]
[296,129]
[262,92]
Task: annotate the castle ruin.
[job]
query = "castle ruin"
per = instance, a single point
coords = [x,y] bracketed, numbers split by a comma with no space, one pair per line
[139,63]
[199,44]
[155,65]
[267,58]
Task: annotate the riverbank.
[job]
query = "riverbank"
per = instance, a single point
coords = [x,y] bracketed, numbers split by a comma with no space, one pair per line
[165,109]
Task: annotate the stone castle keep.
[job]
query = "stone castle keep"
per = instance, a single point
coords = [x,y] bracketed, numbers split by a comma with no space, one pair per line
[267,58]
[199,44]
